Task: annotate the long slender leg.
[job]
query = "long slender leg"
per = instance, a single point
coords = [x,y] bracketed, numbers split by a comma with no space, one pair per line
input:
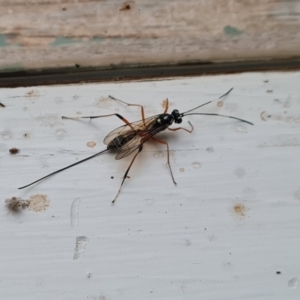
[168,156]
[125,175]
[190,131]
[117,115]
[102,116]
[128,104]
[167,105]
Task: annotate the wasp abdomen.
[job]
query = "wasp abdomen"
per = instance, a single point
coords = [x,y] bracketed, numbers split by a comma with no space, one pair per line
[120,141]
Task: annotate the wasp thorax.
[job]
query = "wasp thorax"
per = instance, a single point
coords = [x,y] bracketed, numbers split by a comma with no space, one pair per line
[176,115]
[165,119]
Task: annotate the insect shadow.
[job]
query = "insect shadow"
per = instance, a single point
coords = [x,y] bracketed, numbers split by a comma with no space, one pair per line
[131,137]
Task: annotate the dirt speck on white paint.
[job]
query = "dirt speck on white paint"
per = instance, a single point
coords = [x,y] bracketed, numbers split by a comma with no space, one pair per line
[241,129]
[220,103]
[60,134]
[32,94]
[14,150]
[181,170]
[104,102]
[6,136]
[293,283]
[38,202]
[91,144]
[159,154]
[196,165]
[74,213]
[210,149]
[81,242]
[285,117]
[15,203]
[239,209]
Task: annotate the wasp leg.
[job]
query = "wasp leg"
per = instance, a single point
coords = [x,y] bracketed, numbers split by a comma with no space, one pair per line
[168,156]
[102,116]
[142,108]
[190,131]
[126,173]
[128,104]
[167,105]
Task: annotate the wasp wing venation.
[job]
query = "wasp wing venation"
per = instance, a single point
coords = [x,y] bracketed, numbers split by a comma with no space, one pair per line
[126,129]
[140,138]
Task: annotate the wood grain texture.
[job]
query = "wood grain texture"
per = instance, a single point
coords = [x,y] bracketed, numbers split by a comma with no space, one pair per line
[49,34]
[224,232]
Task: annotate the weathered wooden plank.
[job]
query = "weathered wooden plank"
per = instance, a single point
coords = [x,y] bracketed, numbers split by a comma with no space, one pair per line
[228,230]
[48,34]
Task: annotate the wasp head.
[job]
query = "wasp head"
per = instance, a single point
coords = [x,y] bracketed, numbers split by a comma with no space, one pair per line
[177,116]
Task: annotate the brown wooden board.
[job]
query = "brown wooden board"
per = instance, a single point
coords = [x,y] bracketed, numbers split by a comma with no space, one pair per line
[57,34]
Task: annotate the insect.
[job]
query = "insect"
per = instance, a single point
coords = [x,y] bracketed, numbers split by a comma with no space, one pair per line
[131,137]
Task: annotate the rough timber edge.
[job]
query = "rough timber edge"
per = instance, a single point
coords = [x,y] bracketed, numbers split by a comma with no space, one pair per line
[126,73]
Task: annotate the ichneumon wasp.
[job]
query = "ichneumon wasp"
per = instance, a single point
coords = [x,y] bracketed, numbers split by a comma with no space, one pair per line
[132,136]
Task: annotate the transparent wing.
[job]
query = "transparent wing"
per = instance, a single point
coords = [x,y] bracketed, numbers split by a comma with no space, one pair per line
[130,147]
[140,138]
[126,129]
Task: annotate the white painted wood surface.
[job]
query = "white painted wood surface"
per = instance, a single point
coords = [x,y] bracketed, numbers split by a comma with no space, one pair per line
[223,232]
[65,33]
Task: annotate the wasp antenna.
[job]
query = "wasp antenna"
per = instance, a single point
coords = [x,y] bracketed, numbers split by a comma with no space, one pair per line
[218,115]
[184,114]
[225,94]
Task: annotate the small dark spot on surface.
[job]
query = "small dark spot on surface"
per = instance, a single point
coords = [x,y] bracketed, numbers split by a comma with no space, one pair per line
[32,94]
[77,66]
[188,242]
[25,135]
[128,177]
[64,8]
[264,116]
[14,150]
[278,272]
[265,81]
[15,203]
[2,105]
[112,177]
[269,91]
[125,6]
[210,149]
[239,209]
